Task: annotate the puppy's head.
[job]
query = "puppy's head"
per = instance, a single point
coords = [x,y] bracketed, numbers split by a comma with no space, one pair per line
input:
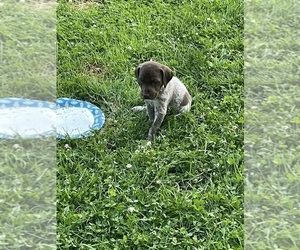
[152,77]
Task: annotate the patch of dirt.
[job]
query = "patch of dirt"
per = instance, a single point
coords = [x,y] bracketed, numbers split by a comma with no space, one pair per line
[83,5]
[40,5]
[95,69]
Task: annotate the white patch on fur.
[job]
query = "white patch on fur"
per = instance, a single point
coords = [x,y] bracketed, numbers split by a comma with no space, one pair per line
[172,96]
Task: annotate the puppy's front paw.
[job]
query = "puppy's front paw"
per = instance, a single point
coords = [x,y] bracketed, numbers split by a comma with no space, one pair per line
[138,108]
[150,136]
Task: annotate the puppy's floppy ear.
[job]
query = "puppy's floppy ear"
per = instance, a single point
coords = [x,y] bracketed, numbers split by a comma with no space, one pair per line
[137,71]
[167,74]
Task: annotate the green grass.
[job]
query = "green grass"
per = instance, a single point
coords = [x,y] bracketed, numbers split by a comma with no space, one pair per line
[27,50]
[272,125]
[27,167]
[186,191]
[27,194]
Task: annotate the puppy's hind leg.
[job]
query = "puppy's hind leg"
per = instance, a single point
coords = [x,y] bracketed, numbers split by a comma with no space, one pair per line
[185,108]
[186,103]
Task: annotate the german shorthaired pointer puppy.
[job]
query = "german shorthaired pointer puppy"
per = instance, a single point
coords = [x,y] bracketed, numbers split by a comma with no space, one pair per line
[160,90]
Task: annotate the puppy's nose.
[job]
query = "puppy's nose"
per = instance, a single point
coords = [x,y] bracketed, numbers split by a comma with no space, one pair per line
[146,96]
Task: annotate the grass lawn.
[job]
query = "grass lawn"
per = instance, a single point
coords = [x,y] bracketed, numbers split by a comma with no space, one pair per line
[27,167]
[272,122]
[186,191]
[27,50]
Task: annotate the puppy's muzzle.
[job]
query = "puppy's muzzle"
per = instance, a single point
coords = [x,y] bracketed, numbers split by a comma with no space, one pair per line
[148,95]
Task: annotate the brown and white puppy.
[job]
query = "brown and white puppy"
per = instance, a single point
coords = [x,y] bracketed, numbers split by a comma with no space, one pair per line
[160,90]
